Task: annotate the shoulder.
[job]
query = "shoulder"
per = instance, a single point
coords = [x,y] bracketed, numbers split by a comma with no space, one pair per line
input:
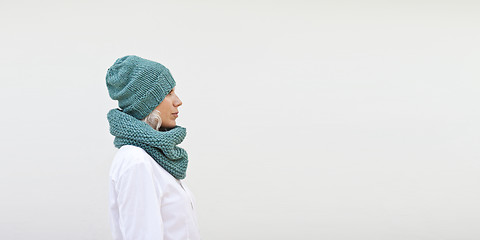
[131,151]
[128,157]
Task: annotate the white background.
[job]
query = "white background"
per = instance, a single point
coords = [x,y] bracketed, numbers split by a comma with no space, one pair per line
[305,119]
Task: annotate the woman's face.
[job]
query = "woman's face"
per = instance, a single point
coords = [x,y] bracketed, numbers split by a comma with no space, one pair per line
[168,109]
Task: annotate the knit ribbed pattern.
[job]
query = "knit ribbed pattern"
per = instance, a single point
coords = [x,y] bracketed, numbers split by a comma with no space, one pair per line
[138,84]
[161,146]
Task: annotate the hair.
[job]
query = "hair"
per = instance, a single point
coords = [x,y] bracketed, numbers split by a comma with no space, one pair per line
[153,119]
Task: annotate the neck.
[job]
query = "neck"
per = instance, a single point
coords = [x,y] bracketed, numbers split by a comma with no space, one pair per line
[164,129]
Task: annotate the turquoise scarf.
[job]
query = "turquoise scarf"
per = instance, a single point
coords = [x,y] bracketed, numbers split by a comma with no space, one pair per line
[161,146]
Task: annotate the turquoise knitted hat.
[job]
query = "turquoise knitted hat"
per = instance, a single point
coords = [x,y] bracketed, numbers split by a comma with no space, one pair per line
[138,84]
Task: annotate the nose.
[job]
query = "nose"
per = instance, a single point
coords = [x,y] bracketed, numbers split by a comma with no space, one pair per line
[178,102]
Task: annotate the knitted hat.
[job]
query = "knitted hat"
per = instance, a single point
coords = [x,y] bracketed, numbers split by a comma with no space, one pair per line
[138,84]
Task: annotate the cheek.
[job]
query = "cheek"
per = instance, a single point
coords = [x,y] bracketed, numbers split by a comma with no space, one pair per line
[164,106]
[165,112]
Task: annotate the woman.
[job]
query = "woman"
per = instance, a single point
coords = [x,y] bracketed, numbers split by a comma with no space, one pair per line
[147,199]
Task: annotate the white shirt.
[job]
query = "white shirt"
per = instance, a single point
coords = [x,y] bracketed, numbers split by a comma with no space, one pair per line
[147,202]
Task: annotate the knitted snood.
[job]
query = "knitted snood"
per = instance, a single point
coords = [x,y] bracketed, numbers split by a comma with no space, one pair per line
[161,146]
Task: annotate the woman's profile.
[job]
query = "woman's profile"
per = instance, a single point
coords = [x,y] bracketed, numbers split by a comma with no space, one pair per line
[147,197]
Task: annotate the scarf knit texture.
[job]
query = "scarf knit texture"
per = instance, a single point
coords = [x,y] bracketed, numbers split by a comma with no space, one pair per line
[160,145]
